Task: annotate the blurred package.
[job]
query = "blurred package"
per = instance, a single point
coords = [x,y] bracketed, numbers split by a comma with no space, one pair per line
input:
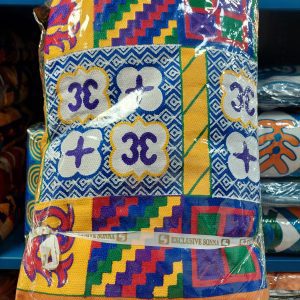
[281,228]
[279,87]
[279,144]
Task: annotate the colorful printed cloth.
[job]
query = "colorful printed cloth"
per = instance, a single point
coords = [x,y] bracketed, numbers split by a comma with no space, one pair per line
[279,87]
[151,118]
[280,192]
[282,230]
[279,144]
[34,137]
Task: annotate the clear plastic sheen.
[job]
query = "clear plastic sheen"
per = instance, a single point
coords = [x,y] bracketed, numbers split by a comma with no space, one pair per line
[279,87]
[149,175]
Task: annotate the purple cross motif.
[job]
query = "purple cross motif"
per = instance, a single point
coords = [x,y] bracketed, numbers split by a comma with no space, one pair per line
[246,157]
[79,152]
[139,86]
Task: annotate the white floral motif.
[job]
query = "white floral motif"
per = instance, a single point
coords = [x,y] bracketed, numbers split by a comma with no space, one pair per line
[143,84]
[243,158]
[239,101]
[139,149]
[80,153]
[82,95]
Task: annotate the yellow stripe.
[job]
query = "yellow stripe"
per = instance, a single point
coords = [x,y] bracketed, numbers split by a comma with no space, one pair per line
[169,280]
[127,16]
[117,267]
[165,32]
[195,120]
[163,212]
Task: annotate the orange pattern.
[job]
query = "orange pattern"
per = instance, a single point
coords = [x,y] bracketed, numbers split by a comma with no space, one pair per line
[279,145]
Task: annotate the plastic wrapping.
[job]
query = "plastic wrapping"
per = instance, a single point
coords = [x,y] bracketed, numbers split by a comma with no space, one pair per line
[34,137]
[149,182]
[280,192]
[279,87]
[279,144]
[282,230]
[284,285]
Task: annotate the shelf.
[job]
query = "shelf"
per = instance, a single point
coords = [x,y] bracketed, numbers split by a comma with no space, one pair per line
[279,4]
[22,2]
[283,264]
[263,4]
[11,250]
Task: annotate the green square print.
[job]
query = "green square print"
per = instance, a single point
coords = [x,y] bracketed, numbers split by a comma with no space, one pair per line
[200,3]
[239,260]
[208,224]
[232,29]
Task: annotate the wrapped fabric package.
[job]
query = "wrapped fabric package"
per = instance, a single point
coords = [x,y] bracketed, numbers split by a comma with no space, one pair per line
[279,144]
[34,137]
[279,87]
[284,285]
[280,192]
[149,182]
[281,228]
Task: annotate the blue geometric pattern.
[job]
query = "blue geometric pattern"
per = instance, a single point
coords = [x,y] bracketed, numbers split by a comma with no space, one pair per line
[224,184]
[104,182]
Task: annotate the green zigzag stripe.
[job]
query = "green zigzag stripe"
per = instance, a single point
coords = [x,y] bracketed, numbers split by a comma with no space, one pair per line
[114,17]
[176,291]
[150,212]
[172,39]
[104,267]
[116,253]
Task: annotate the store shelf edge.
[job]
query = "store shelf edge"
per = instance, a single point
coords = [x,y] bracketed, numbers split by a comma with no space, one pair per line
[11,250]
[283,263]
[279,4]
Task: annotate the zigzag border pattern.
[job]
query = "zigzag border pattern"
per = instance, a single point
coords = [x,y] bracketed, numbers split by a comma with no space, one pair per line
[134,271]
[131,22]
